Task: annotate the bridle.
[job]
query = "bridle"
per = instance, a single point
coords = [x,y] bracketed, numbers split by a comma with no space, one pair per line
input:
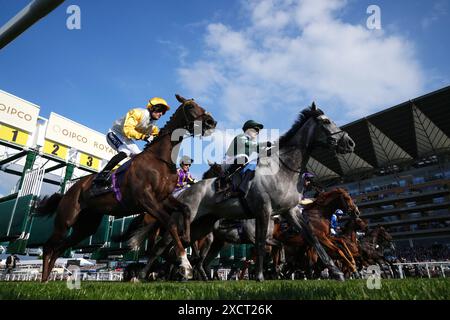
[186,120]
[299,170]
[194,118]
[186,127]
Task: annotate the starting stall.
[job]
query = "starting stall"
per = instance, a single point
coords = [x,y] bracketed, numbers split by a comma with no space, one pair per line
[43,152]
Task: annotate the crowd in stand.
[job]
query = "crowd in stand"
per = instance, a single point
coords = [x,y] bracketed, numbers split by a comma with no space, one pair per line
[437,252]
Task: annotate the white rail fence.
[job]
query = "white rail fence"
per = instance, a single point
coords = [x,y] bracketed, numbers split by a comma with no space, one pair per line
[35,275]
[421,269]
[404,270]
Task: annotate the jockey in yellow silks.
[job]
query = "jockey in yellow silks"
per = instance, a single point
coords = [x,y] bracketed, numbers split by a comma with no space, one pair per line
[137,124]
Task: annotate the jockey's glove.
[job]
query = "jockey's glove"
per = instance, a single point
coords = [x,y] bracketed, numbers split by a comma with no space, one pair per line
[149,138]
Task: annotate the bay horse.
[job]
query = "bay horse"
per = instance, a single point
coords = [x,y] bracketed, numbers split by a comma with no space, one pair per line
[296,248]
[318,212]
[146,186]
[372,246]
[275,188]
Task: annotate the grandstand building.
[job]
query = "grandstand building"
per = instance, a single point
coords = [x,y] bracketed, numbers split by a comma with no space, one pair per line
[399,174]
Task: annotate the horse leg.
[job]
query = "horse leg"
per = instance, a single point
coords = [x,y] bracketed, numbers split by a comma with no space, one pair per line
[243,270]
[175,205]
[153,235]
[195,258]
[66,215]
[56,238]
[262,225]
[328,243]
[214,248]
[156,251]
[276,251]
[347,253]
[203,253]
[85,226]
[298,219]
[151,205]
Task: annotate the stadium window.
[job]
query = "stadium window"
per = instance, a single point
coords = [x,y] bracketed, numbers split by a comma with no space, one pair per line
[439,175]
[410,204]
[390,218]
[447,174]
[439,200]
[417,180]
[414,215]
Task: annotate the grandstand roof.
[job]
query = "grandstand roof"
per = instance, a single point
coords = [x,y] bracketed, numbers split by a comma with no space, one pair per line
[411,130]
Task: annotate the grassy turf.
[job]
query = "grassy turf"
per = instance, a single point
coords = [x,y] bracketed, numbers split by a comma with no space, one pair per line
[269,290]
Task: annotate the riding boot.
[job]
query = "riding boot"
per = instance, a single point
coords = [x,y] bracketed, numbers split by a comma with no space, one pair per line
[245,183]
[103,176]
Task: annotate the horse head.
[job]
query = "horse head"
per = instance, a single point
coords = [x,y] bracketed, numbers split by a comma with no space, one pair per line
[361,225]
[322,131]
[192,117]
[215,170]
[382,238]
[338,199]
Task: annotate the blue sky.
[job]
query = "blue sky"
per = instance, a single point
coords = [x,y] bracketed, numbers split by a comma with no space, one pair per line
[264,60]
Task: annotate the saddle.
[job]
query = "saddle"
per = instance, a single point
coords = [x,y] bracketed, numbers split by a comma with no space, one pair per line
[112,182]
[236,184]
[227,187]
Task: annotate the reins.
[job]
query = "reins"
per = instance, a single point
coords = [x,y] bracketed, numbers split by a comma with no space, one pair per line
[170,164]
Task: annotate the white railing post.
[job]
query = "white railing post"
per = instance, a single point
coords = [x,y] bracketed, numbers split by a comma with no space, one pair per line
[428,270]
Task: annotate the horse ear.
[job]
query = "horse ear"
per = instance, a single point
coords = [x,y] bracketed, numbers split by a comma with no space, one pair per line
[180,98]
[210,163]
[313,106]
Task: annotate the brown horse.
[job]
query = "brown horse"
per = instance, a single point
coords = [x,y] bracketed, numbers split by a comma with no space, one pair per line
[372,246]
[346,241]
[146,187]
[319,213]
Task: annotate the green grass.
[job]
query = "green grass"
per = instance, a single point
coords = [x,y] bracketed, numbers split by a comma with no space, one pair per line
[235,290]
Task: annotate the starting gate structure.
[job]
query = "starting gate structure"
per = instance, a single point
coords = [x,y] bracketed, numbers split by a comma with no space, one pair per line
[38,149]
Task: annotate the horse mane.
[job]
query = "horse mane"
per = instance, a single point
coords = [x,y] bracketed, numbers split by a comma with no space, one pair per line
[164,129]
[322,198]
[301,119]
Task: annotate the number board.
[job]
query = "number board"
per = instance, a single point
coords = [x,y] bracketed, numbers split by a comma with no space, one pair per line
[14,135]
[89,161]
[55,149]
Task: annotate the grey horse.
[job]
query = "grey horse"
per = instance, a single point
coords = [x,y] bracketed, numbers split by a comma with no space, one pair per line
[275,189]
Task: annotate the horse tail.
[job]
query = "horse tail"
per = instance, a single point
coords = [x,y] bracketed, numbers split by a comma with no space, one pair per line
[47,206]
[139,236]
[133,226]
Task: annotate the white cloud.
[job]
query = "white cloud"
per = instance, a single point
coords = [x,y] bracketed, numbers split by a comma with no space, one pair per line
[438,10]
[292,52]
